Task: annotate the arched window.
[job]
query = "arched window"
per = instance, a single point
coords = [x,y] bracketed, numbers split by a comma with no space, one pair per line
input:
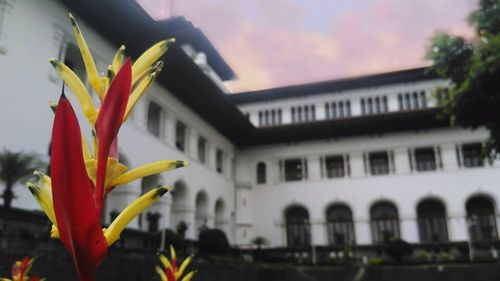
[432,223]
[201,213]
[384,221]
[261,172]
[423,99]
[385,106]
[416,104]
[481,218]
[341,109]
[340,225]
[407,101]
[220,216]
[327,110]
[297,227]
[377,105]
[180,201]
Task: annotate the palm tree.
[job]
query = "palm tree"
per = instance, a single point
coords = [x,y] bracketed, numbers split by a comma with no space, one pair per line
[13,167]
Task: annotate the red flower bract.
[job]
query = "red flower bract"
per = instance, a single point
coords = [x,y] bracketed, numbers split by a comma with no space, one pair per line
[108,123]
[74,205]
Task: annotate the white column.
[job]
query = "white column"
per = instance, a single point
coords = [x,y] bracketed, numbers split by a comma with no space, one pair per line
[318,233]
[362,231]
[449,156]
[313,167]
[409,230]
[357,164]
[401,161]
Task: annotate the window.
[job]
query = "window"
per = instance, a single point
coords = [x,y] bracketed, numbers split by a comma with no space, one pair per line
[407,101]
[202,149]
[334,110]
[423,99]
[293,170]
[335,166]
[384,220]
[370,106]
[293,115]
[327,110]
[379,163]
[341,109]
[6,7]
[273,117]
[299,113]
[377,105]
[306,113]
[266,118]
[260,119]
[416,104]
[219,160]
[472,156]
[481,218]
[298,231]
[73,59]
[313,112]
[385,106]
[261,173]
[180,135]
[400,102]
[425,159]
[340,226]
[348,109]
[154,119]
[280,119]
[432,221]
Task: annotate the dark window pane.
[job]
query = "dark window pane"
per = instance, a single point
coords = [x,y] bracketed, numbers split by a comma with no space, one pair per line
[334,166]
[293,169]
[154,119]
[261,173]
[472,155]
[202,145]
[219,155]
[297,227]
[425,159]
[180,136]
[379,163]
[384,221]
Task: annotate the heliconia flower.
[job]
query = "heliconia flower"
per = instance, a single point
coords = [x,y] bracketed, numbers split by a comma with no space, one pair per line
[21,269]
[170,271]
[74,195]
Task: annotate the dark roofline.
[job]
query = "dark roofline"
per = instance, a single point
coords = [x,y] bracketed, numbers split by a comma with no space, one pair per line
[114,14]
[337,85]
[391,122]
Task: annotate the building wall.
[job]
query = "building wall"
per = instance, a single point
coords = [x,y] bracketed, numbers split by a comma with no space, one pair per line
[354,97]
[453,184]
[32,32]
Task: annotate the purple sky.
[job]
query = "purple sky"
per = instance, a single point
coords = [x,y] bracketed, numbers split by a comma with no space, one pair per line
[272,43]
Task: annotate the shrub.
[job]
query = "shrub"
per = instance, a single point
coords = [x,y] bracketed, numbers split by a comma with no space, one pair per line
[213,242]
[397,249]
[174,239]
[375,261]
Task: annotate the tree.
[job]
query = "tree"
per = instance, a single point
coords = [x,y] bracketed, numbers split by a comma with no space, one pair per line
[13,167]
[473,67]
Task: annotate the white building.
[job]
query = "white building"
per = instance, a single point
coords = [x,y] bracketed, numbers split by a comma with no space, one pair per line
[356,160]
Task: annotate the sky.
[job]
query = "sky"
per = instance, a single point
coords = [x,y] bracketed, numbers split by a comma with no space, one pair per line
[272,43]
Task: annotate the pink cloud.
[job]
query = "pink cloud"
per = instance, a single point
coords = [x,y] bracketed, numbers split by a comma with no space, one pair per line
[273,43]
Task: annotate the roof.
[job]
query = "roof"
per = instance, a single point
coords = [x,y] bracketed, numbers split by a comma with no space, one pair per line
[125,22]
[332,86]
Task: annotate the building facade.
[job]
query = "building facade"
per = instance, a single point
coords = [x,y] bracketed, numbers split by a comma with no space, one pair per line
[358,160]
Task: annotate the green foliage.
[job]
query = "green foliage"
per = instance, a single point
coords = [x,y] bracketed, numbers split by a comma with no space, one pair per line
[260,241]
[15,166]
[473,99]
[213,242]
[375,261]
